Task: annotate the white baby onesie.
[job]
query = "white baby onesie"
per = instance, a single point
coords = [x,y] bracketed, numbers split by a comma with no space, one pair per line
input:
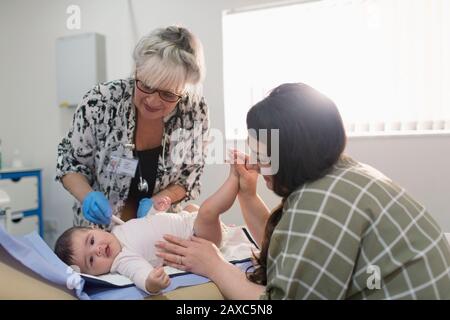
[138,237]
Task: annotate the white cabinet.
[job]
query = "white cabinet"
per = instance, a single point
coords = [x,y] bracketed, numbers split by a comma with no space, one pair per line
[18,224]
[23,193]
[80,64]
[23,212]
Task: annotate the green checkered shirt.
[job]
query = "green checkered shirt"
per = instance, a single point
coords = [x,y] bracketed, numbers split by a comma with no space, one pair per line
[354,234]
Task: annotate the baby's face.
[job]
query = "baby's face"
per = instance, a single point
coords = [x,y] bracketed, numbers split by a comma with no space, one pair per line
[95,250]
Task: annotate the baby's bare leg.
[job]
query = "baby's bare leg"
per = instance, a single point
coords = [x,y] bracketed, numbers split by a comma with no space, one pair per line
[207,224]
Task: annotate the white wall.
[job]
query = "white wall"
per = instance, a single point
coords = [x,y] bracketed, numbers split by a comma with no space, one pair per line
[31,121]
[420,164]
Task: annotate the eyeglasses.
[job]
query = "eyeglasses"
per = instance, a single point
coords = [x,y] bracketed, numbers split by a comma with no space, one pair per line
[164,95]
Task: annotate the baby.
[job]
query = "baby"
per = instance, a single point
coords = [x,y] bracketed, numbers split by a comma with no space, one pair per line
[129,248]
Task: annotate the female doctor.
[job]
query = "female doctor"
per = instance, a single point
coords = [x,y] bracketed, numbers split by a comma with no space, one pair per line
[139,138]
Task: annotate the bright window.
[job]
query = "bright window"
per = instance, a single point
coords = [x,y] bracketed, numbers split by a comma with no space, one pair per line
[385,63]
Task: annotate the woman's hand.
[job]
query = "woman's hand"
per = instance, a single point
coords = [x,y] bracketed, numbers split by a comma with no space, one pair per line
[202,257]
[96,208]
[144,207]
[160,203]
[196,255]
[248,174]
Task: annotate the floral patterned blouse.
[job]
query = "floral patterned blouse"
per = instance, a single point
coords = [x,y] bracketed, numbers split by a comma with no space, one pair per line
[103,127]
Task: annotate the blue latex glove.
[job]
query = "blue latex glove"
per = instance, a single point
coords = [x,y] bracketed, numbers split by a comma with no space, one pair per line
[144,206]
[96,208]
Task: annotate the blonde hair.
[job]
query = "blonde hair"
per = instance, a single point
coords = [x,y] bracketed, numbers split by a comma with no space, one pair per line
[170,58]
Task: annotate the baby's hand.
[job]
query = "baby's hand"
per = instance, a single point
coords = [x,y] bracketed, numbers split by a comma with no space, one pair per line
[157,280]
[162,203]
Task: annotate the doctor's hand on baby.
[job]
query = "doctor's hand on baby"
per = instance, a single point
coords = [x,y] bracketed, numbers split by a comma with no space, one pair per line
[157,280]
[157,203]
[96,208]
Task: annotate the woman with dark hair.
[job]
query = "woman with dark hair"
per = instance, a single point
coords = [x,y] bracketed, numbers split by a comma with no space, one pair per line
[343,229]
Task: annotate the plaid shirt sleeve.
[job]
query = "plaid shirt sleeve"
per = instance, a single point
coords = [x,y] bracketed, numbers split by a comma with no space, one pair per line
[316,259]
[336,230]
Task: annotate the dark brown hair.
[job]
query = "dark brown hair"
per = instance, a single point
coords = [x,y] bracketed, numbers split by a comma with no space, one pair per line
[64,245]
[311,140]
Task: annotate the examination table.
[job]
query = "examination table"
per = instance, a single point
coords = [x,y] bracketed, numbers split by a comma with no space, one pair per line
[18,282]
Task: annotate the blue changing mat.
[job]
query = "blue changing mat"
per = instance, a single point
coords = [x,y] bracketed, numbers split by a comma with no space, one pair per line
[36,255]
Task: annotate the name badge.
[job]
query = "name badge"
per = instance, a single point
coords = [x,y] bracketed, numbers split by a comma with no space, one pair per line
[122,166]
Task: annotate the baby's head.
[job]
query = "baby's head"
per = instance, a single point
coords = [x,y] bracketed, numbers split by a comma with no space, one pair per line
[92,250]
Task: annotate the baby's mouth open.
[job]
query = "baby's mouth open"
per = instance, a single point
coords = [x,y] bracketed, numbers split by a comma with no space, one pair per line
[107,251]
